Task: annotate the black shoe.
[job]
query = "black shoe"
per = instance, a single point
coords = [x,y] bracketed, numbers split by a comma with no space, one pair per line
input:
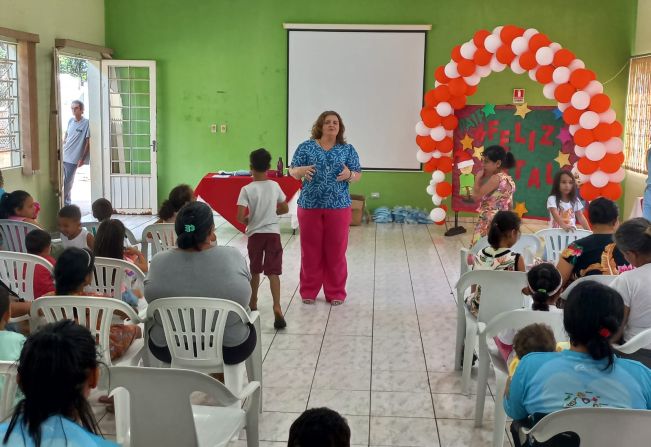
[280,323]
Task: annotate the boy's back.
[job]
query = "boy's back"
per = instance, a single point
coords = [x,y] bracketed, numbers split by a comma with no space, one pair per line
[262,199]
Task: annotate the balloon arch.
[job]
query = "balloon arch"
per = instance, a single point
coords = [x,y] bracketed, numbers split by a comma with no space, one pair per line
[586,109]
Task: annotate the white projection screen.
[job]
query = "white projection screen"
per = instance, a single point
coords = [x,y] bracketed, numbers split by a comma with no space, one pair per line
[374,79]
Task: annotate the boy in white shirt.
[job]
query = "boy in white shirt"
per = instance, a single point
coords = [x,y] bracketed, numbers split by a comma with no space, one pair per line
[72,233]
[265,202]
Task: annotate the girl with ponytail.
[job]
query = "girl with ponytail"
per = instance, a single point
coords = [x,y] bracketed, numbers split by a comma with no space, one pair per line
[179,196]
[586,375]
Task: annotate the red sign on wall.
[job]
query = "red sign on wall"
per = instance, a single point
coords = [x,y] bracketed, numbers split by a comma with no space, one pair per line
[518,96]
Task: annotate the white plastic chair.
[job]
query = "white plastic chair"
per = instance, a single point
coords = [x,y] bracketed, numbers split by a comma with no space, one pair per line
[93,226]
[601,279]
[13,234]
[641,340]
[8,371]
[515,319]
[194,331]
[529,246]
[17,272]
[557,239]
[160,236]
[161,413]
[597,426]
[501,291]
[110,274]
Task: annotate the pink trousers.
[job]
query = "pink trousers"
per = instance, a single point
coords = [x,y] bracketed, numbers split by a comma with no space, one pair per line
[324,239]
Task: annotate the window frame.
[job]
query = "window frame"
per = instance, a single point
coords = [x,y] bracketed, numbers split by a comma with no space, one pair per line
[16,92]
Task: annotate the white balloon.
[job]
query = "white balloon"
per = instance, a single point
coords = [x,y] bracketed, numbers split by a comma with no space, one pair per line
[614,146]
[599,179]
[436,154]
[436,84]
[520,45]
[436,199]
[561,75]
[594,87]
[579,151]
[618,177]
[496,65]
[423,157]
[438,176]
[589,120]
[580,100]
[595,151]
[544,56]
[562,106]
[492,43]
[432,182]
[443,108]
[468,49]
[573,128]
[529,33]
[532,74]
[437,133]
[498,29]
[576,64]
[449,133]
[484,70]
[451,70]
[422,129]
[516,67]
[430,190]
[609,116]
[549,89]
[472,79]
[555,46]
[437,214]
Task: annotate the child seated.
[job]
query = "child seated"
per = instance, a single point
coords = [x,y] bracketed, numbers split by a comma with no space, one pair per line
[319,427]
[533,338]
[10,342]
[58,367]
[102,209]
[72,233]
[18,205]
[39,243]
[179,196]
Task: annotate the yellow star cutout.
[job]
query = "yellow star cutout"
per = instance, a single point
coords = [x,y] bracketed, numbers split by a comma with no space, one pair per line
[562,159]
[520,209]
[477,152]
[521,110]
[467,142]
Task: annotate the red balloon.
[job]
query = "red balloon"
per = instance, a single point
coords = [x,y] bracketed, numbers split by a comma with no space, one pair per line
[458,87]
[445,164]
[564,92]
[430,99]
[563,58]
[426,144]
[482,56]
[602,132]
[538,41]
[581,77]
[431,165]
[445,145]
[587,166]
[528,60]
[440,75]
[611,163]
[599,103]
[471,90]
[430,117]
[612,191]
[510,32]
[442,93]
[458,102]
[616,129]
[544,74]
[466,67]
[443,189]
[456,54]
[479,37]
[582,138]
[589,192]
[505,55]
[450,122]
[572,115]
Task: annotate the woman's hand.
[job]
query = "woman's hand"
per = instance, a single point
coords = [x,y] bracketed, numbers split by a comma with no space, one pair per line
[306,172]
[344,175]
[139,260]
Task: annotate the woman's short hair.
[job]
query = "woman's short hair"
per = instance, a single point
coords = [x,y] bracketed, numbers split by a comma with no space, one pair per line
[193,225]
[317,127]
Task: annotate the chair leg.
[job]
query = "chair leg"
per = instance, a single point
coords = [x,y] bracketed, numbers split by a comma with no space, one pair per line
[122,416]
[254,362]
[470,341]
[500,414]
[482,380]
[234,379]
[461,333]
[252,431]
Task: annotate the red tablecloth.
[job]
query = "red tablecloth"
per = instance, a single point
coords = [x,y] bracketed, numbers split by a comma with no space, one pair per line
[221,193]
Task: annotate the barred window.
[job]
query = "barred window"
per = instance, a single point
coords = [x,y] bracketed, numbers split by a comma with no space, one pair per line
[9,126]
[638,114]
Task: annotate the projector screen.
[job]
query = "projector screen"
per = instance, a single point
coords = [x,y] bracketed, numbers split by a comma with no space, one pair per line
[373,79]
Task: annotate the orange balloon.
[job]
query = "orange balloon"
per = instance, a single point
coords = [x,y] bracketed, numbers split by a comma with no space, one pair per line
[466,67]
[616,129]
[440,75]
[505,55]
[589,192]
[472,89]
[479,37]
[612,191]
[611,162]
[426,144]
[544,74]
[430,99]
[443,189]
[583,137]
[445,145]
[442,93]
[564,92]
[458,102]
[563,58]
[538,41]
[528,60]
[602,132]
[587,166]
[456,54]
[431,165]
[599,103]
[581,77]
[482,56]
[450,122]
[445,164]
[510,32]
[572,115]
[458,87]
[430,117]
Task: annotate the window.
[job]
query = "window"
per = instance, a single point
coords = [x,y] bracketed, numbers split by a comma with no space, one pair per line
[638,114]
[10,153]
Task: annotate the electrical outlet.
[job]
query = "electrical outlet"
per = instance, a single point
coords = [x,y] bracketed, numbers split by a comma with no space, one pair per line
[213,128]
[375,195]
[223,128]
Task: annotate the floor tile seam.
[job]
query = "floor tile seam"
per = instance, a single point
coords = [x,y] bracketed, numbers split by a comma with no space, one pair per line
[370,384]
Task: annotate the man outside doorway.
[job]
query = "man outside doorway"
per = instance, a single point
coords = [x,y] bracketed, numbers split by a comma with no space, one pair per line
[76,146]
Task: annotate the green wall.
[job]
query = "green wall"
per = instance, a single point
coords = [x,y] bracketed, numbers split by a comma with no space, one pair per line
[225,61]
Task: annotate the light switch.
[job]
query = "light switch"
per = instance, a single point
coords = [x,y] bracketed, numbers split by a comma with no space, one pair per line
[213,128]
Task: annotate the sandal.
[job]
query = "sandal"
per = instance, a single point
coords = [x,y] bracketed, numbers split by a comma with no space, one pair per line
[337,302]
[280,323]
[308,301]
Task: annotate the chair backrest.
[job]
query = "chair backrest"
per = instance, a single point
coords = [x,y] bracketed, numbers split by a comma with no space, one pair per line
[13,234]
[557,239]
[194,329]
[519,318]
[152,392]
[597,426]
[17,271]
[601,279]
[501,291]
[160,237]
[94,313]
[93,226]
[9,388]
[110,274]
[641,340]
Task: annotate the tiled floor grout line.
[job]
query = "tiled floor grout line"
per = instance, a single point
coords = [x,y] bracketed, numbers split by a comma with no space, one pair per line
[370,383]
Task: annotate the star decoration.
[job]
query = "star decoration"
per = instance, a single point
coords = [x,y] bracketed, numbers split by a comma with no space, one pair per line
[557,113]
[477,152]
[467,142]
[562,159]
[521,110]
[520,209]
[488,109]
[564,135]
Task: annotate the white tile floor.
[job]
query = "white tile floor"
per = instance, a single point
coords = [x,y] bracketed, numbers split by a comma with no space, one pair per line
[385,358]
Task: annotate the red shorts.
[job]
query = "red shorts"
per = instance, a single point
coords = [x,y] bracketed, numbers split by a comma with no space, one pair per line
[265,253]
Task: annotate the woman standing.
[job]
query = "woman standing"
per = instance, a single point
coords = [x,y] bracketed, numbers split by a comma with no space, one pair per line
[326,164]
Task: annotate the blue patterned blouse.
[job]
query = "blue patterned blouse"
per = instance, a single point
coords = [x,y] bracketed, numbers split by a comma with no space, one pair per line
[324,191]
